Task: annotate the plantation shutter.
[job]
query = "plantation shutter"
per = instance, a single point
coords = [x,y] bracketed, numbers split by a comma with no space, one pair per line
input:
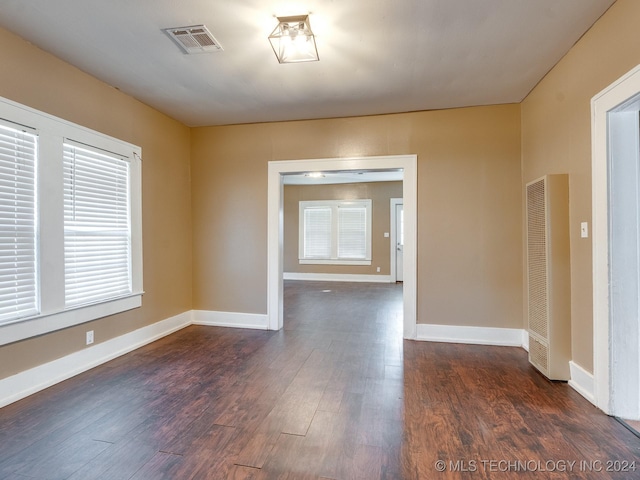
[352,232]
[317,232]
[97,228]
[18,231]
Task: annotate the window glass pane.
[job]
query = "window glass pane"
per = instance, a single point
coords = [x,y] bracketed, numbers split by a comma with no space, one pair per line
[97,233]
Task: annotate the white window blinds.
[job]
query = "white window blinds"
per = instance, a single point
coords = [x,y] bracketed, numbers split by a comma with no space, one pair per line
[18,232]
[97,229]
[336,232]
[317,232]
[352,232]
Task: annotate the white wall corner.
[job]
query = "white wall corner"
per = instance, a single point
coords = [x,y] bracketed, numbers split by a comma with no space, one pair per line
[582,382]
[30,381]
[511,337]
[210,318]
[336,277]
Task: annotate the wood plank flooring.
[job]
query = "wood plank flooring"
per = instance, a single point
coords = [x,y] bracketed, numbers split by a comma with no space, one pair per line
[336,395]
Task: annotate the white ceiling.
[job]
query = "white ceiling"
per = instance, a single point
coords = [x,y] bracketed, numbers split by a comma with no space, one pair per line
[376,56]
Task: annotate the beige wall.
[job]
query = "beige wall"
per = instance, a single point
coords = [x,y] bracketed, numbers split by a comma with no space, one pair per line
[35,78]
[380,194]
[469,206]
[556,138]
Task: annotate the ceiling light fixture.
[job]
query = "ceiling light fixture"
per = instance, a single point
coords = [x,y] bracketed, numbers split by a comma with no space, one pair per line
[293,41]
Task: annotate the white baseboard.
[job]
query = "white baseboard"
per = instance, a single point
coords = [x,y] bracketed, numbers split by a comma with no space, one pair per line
[231,319]
[337,277]
[43,376]
[511,337]
[582,382]
[525,339]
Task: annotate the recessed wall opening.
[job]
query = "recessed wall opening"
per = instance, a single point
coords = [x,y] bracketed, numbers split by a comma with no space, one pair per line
[347,168]
[340,238]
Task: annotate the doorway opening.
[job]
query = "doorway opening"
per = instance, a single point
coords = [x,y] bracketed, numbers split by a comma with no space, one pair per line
[616,247]
[278,169]
[397,239]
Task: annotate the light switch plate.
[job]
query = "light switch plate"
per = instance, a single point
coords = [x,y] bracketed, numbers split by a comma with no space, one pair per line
[584,230]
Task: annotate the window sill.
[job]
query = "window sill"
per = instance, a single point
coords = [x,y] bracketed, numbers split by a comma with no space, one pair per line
[333,262]
[47,323]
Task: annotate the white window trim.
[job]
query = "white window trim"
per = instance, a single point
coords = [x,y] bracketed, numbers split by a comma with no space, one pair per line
[334,205]
[52,132]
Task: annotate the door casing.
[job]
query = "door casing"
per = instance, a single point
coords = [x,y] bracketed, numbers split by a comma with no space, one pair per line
[276,171]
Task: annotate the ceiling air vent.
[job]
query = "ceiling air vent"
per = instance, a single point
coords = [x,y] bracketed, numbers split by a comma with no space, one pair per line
[194,39]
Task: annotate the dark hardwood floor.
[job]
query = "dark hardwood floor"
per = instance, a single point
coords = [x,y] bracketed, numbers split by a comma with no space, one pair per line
[337,394]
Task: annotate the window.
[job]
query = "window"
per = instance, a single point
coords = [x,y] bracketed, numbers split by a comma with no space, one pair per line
[70,224]
[352,231]
[317,232]
[97,232]
[18,226]
[335,232]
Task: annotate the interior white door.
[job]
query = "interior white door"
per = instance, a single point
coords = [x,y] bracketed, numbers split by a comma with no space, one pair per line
[399,226]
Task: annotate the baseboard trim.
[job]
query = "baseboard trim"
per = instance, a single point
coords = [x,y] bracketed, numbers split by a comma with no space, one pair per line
[30,381]
[508,337]
[525,339]
[230,319]
[337,277]
[582,382]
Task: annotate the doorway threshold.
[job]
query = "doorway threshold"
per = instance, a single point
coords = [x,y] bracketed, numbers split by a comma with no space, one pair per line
[632,425]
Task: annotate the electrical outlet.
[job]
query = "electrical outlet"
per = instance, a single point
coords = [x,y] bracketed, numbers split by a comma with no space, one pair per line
[89,337]
[378,269]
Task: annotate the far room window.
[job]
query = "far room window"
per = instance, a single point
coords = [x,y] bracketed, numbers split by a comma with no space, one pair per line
[335,232]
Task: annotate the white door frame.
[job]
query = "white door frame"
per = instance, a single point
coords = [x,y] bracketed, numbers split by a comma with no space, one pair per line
[276,170]
[394,240]
[602,104]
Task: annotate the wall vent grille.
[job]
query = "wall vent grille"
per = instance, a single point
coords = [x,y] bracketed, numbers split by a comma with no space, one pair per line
[537,259]
[539,354]
[549,275]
